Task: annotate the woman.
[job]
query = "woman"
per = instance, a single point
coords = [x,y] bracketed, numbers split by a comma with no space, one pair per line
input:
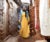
[25,30]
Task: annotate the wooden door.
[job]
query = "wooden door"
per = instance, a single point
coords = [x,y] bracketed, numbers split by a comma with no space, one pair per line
[37,22]
[32,19]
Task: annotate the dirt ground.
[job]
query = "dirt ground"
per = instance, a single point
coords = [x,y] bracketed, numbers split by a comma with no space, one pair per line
[20,39]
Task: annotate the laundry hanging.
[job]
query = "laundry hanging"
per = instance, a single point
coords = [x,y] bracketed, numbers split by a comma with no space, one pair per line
[44,15]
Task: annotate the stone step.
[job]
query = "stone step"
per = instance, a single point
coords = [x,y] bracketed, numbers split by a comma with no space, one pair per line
[11,39]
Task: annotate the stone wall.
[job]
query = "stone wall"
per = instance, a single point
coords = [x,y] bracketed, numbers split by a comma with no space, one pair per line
[13,17]
[3,18]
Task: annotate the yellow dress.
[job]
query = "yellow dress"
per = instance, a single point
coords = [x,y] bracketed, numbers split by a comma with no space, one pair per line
[25,30]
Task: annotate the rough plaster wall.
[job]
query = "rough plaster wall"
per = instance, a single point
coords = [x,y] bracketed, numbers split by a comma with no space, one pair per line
[13,17]
[3,28]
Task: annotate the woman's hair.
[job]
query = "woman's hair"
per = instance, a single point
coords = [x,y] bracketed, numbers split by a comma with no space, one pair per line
[18,2]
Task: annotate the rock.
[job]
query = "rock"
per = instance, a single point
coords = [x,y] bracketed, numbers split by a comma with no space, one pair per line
[12,39]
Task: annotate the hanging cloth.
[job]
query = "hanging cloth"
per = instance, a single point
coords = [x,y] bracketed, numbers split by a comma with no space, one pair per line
[44,14]
[25,30]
